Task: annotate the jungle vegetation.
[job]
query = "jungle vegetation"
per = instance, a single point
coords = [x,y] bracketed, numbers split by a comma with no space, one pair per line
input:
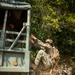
[55,19]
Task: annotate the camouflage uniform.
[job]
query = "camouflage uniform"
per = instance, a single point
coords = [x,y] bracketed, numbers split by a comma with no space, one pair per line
[44,54]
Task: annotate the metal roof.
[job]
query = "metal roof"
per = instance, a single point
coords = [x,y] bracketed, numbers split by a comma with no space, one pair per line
[15,5]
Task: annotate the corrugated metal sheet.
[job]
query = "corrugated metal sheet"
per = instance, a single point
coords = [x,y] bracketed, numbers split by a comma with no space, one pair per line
[15,5]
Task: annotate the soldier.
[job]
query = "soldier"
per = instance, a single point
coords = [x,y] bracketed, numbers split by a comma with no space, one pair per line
[44,53]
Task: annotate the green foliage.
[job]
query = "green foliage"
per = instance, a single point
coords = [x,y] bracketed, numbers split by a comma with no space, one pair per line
[54,19]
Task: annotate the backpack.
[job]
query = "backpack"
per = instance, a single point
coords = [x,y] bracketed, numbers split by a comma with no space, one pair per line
[55,57]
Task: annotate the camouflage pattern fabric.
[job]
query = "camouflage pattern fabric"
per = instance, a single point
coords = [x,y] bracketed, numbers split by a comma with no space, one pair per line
[43,54]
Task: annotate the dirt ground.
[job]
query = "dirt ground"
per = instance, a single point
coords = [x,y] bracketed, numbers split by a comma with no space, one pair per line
[70,69]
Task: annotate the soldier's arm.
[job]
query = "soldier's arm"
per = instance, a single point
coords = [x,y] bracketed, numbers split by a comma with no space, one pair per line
[39,42]
[33,43]
[36,40]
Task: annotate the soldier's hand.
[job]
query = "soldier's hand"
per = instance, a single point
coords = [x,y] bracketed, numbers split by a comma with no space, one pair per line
[33,37]
[32,41]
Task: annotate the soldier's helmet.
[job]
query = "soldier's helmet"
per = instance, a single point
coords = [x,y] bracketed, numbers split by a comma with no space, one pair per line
[49,41]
